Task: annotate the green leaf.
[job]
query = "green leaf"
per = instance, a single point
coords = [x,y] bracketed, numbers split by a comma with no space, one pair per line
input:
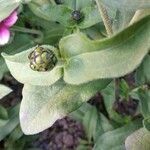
[70,4]
[127,4]
[139,140]
[50,12]
[124,89]
[4,90]
[108,58]
[49,32]
[3,116]
[53,32]
[114,140]
[19,67]
[146,123]
[79,113]
[19,145]
[75,44]
[95,32]
[41,2]
[19,43]
[16,134]
[143,72]
[109,99]
[11,124]
[15,140]
[103,125]
[139,14]
[82,3]
[14,137]
[144,97]
[90,122]
[83,147]
[42,106]
[90,17]
[7,7]
[77,4]
[62,13]
[122,20]
[3,113]
[94,122]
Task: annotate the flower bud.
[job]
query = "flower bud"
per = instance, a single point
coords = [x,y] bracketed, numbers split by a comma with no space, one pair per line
[42,59]
[77,15]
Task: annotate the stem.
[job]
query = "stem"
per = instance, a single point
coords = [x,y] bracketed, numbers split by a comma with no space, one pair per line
[108,26]
[30,31]
[105,17]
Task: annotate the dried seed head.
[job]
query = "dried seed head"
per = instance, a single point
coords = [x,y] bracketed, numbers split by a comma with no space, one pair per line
[42,59]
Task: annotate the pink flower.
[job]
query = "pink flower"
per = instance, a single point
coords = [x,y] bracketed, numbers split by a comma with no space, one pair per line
[4,27]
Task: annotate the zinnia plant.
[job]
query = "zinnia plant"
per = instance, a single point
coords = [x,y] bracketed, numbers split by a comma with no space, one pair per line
[74,49]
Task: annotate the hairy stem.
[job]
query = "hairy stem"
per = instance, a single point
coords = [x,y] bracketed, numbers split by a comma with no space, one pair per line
[138,15]
[108,26]
[105,17]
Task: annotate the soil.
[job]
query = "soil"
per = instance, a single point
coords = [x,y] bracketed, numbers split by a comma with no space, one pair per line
[63,135]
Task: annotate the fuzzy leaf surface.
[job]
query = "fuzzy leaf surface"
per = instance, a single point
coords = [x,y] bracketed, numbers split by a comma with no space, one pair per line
[52,13]
[109,58]
[127,4]
[42,106]
[139,140]
[19,67]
